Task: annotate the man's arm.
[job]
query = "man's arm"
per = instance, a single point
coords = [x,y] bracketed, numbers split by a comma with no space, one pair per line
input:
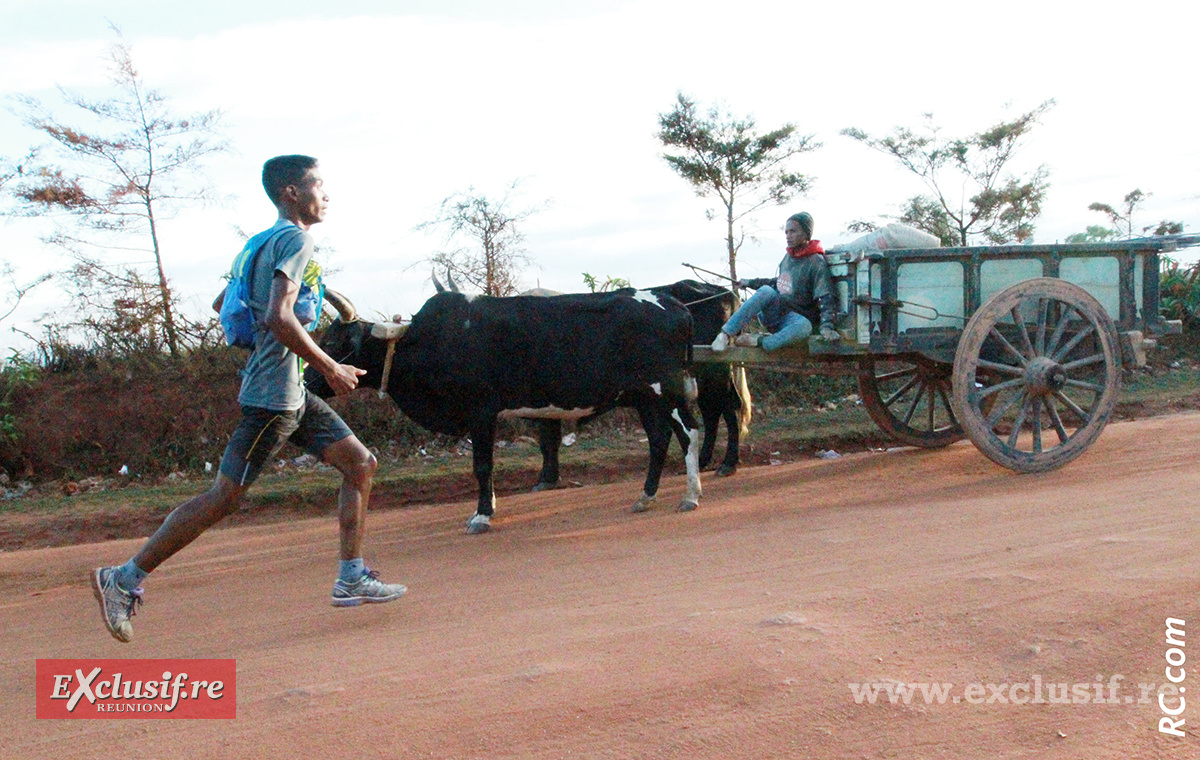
[282,322]
[757,283]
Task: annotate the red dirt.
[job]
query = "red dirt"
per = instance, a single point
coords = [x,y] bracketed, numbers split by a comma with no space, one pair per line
[577,629]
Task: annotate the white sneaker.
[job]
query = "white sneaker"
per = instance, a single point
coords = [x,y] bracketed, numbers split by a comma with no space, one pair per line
[367,589]
[116,604]
[721,343]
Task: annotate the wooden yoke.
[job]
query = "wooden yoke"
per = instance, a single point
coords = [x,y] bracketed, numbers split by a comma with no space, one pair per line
[391,332]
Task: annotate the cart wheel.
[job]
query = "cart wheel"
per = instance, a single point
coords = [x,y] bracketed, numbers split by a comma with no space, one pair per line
[908,397]
[1036,374]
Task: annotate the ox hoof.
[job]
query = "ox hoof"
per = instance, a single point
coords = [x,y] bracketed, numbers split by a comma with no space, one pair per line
[544,486]
[643,504]
[726,470]
[479,524]
[686,506]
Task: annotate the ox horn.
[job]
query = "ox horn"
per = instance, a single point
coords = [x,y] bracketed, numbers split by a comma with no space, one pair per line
[345,309]
[449,278]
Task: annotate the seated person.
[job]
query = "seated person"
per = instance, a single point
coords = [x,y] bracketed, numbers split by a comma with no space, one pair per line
[791,303]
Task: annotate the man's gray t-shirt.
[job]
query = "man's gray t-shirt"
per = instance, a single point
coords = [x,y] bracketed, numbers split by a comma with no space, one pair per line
[272,378]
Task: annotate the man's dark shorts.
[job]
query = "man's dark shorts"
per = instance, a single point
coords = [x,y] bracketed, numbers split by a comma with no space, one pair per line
[262,432]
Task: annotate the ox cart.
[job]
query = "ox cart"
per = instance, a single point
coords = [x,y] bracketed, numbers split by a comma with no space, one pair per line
[1018,348]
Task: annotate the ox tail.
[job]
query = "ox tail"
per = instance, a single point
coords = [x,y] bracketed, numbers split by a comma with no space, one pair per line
[691,389]
[743,391]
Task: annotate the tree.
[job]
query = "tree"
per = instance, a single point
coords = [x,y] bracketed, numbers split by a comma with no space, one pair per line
[1166,227]
[119,177]
[925,213]
[1123,218]
[726,157]
[493,226]
[993,205]
[11,170]
[1094,234]
[597,285]
[17,291]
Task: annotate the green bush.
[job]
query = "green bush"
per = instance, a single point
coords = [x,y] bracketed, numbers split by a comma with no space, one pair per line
[1179,289]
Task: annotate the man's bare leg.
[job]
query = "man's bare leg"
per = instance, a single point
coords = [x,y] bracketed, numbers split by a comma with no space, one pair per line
[356,584]
[188,521]
[357,465]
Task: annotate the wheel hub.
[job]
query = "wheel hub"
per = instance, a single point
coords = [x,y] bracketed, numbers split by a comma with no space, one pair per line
[1044,376]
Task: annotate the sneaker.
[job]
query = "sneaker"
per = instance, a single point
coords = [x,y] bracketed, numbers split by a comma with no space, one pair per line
[367,589]
[721,343]
[116,604]
[748,340]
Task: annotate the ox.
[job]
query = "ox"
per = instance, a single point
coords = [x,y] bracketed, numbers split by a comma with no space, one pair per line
[723,393]
[465,360]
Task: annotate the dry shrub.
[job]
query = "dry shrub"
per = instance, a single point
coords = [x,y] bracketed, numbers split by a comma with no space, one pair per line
[153,416]
[156,415]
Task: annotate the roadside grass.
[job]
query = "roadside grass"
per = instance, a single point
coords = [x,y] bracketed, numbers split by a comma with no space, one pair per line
[1165,387]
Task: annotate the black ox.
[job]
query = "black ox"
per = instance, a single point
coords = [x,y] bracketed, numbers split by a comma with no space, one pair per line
[465,360]
[723,393]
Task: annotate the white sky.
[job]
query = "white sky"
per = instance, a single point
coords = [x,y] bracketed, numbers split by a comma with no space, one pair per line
[405,103]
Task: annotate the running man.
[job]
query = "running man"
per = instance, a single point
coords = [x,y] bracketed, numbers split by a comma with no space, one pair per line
[275,408]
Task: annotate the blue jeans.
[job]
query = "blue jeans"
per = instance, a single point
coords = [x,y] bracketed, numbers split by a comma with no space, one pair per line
[786,327]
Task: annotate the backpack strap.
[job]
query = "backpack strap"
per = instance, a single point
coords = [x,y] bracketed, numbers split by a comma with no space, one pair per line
[250,266]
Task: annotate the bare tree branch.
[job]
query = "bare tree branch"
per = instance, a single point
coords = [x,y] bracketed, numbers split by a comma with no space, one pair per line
[495,259]
[117,182]
[972,196]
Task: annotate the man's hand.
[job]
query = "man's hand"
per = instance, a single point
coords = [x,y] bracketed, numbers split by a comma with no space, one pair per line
[344,378]
[829,334]
[281,321]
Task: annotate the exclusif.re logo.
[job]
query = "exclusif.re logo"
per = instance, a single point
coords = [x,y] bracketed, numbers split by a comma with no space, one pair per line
[165,689]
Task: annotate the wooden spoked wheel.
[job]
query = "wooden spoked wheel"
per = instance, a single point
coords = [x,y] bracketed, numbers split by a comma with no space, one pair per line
[1036,374]
[908,397]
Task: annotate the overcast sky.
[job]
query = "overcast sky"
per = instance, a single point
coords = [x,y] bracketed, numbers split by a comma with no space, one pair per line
[406,103]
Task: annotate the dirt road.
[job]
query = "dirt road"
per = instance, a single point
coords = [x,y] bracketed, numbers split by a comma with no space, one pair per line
[742,630]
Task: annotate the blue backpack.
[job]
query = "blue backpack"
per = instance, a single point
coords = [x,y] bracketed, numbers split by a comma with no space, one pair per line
[237,318]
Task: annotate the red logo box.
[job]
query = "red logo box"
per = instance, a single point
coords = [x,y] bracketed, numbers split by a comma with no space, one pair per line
[157,689]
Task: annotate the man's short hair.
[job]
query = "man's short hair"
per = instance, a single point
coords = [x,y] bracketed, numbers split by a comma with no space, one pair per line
[281,171]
